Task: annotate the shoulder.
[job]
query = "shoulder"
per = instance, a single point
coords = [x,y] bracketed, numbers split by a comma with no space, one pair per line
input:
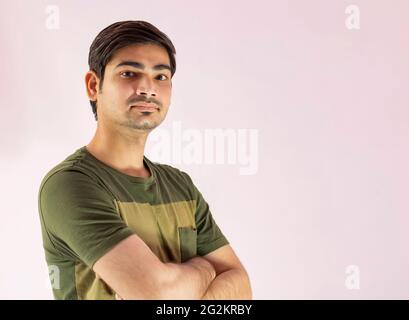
[64,178]
[69,185]
[74,170]
[69,193]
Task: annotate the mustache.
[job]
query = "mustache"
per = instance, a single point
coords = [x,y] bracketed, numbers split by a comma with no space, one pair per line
[135,100]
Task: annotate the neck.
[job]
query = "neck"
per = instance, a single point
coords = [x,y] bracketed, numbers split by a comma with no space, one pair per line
[120,150]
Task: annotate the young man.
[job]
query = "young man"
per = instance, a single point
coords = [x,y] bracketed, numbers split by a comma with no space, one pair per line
[115,224]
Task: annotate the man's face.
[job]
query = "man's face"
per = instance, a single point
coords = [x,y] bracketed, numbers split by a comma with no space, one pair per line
[136,75]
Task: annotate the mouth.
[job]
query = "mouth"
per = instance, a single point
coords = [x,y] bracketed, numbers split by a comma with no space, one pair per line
[145,107]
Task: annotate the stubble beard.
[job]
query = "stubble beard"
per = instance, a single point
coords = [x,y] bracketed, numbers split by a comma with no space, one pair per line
[143,123]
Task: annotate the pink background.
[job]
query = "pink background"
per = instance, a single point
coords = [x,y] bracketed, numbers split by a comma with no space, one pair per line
[330,105]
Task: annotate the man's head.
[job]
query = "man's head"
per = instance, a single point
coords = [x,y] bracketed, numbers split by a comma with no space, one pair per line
[131,63]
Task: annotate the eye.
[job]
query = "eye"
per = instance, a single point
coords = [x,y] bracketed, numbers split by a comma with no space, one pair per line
[166,77]
[130,74]
[127,74]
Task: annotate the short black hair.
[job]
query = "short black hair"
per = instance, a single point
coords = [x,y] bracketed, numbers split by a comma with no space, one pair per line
[122,34]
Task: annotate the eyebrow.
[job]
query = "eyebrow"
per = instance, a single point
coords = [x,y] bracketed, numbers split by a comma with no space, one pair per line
[139,65]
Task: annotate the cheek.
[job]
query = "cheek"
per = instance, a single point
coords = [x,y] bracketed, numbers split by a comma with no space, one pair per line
[112,99]
[118,92]
[166,94]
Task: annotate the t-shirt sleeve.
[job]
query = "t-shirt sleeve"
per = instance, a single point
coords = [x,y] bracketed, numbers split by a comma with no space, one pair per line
[80,217]
[209,235]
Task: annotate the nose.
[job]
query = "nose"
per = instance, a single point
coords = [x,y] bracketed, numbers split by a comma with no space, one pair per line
[146,87]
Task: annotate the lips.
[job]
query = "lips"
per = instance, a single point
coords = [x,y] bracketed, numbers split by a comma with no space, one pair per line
[145,107]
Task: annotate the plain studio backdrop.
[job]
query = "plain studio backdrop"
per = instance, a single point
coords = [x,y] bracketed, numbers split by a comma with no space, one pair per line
[307,102]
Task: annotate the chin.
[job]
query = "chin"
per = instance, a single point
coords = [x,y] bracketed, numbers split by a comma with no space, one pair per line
[144,125]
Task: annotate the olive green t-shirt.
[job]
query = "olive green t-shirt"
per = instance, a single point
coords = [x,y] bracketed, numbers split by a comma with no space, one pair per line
[87,207]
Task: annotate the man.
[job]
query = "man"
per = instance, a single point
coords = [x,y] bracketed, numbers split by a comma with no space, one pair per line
[115,224]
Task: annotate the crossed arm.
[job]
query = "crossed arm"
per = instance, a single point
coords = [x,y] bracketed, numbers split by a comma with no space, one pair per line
[218,275]
[231,281]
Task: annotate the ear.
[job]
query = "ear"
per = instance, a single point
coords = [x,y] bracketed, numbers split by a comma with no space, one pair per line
[92,85]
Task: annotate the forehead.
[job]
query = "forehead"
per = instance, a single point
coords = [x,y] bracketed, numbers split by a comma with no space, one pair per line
[148,54]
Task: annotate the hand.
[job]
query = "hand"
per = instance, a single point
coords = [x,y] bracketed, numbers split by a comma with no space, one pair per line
[203,265]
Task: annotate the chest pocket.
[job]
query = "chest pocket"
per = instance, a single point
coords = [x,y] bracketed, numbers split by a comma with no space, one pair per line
[188,242]
[169,229]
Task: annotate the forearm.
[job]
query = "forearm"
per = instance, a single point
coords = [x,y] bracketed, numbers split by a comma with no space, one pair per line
[233,284]
[189,280]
